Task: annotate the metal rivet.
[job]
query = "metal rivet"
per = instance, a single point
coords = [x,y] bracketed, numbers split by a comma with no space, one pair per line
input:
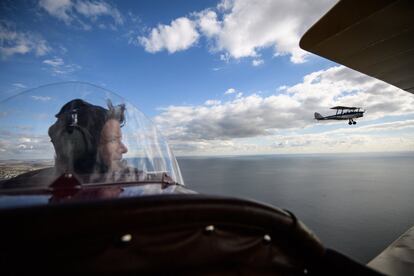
[267,238]
[68,175]
[126,238]
[210,228]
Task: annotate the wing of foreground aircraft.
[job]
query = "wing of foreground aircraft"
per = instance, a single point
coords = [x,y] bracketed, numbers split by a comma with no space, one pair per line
[377,39]
[373,37]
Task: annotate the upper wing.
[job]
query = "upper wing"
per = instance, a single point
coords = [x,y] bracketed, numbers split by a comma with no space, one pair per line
[375,37]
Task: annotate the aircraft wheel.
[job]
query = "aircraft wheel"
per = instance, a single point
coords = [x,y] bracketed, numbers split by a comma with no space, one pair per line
[354,123]
[349,123]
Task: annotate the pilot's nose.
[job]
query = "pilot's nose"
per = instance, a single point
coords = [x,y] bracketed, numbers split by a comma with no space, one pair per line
[124,149]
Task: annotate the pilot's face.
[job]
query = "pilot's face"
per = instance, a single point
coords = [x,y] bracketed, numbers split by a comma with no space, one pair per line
[111,147]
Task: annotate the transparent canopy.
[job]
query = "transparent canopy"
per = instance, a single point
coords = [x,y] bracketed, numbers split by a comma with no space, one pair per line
[80,129]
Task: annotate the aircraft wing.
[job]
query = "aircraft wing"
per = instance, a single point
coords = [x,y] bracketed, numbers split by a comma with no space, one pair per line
[345,35]
[397,258]
[374,37]
[344,107]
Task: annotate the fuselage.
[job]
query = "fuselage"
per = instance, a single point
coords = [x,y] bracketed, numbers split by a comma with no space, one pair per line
[343,116]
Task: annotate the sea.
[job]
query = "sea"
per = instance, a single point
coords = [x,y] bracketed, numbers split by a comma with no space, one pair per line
[357,204]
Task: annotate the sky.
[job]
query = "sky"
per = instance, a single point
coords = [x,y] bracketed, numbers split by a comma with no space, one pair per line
[216,77]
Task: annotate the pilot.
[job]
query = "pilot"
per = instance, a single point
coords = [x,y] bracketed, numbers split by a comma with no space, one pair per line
[87,138]
[88,141]
[111,148]
[88,144]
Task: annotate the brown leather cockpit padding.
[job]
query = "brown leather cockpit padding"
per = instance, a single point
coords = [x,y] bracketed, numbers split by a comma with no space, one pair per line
[167,234]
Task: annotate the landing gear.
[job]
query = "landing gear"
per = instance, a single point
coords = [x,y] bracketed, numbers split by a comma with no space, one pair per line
[351,122]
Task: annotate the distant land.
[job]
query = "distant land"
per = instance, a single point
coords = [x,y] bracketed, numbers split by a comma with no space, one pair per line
[12,168]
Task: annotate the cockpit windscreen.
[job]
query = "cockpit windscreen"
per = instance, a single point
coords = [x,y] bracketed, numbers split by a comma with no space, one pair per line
[82,130]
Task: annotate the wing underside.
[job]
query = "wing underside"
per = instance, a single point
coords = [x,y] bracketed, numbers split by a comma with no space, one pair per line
[345,36]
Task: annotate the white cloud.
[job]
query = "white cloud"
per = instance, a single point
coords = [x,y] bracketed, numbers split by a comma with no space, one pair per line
[249,26]
[207,21]
[230,91]
[303,143]
[96,9]
[61,9]
[291,108]
[282,87]
[225,57]
[74,12]
[22,145]
[59,67]
[242,117]
[42,98]
[242,28]
[54,62]
[13,42]
[25,139]
[212,102]
[340,142]
[342,86]
[179,35]
[257,62]
[390,126]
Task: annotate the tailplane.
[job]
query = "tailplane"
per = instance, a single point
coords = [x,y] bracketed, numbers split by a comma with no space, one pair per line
[318,116]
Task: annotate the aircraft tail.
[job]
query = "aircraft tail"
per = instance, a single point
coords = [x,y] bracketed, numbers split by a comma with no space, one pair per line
[318,116]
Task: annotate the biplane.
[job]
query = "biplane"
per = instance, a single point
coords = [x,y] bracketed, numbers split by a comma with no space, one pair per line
[68,227]
[343,113]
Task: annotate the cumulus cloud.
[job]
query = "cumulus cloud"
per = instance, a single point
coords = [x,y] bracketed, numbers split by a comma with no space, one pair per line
[59,67]
[389,126]
[339,142]
[13,42]
[342,86]
[76,11]
[290,108]
[15,145]
[249,26]
[325,142]
[215,147]
[242,117]
[179,35]
[208,23]
[242,28]
[212,102]
[282,87]
[303,143]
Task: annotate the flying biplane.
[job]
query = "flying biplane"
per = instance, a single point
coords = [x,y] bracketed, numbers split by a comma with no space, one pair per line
[59,224]
[343,113]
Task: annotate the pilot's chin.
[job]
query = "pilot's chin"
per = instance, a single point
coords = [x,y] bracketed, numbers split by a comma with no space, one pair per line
[118,164]
[123,162]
